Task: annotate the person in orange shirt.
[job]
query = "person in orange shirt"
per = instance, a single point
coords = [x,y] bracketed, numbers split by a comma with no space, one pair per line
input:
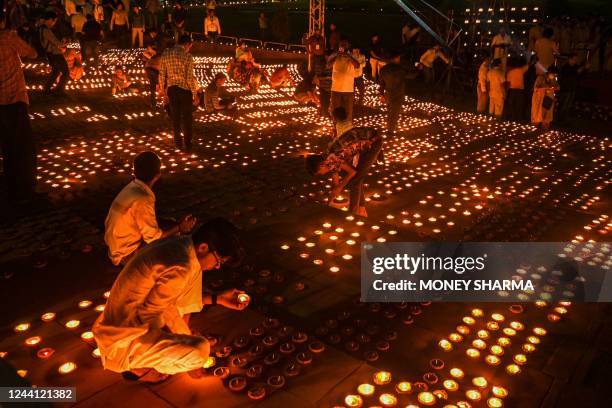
[515,99]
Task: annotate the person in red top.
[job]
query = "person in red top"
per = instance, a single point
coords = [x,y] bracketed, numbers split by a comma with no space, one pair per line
[16,140]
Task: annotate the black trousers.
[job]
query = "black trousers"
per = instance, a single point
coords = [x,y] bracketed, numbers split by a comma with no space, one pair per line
[59,66]
[394,108]
[366,159]
[181,112]
[18,150]
[515,104]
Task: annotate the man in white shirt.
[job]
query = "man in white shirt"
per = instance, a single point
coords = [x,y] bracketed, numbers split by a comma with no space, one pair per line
[77,21]
[343,79]
[143,331]
[131,218]
[427,62]
[481,86]
[500,44]
[212,27]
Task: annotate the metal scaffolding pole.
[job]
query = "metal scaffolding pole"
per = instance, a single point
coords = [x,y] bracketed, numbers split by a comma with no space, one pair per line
[317,17]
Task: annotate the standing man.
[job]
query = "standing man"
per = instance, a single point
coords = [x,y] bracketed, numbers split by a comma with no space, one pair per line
[263,26]
[482,92]
[177,80]
[153,7]
[212,27]
[54,49]
[515,101]
[137,23]
[376,57]
[92,35]
[143,332]
[546,49]
[568,82]
[316,52]
[500,44]
[497,89]
[343,79]
[16,140]
[179,14]
[392,91]
[131,219]
[359,81]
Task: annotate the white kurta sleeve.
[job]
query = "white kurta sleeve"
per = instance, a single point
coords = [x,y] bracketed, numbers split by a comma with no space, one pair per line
[159,308]
[144,214]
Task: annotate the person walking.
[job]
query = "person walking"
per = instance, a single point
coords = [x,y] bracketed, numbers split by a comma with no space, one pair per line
[359,81]
[16,140]
[427,62]
[482,92]
[54,50]
[263,26]
[392,90]
[178,82]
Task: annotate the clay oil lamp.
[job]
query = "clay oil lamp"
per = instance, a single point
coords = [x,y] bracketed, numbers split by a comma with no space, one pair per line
[299,337]
[239,362]
[287,348]
[256,350]
[221,372]
[430,378]
[257,331]
[237,384]
[351,346]
[457,373]
[436,363]
[276,381]
[271,323]
[32,341]
[426,398]
[513,369]
[254,371]
[450,385]
[292,369]
[499,392]
[257,393]
[495,402]
[388,400]
[316,347]
[270,341]
[241,342]
[21,327]
[473,395]
[371,356]
[210,362]
[366,389]
[47,317]
[67,368]
[403,387]
[272,358]
[45,353]
[383,345]
[382,377]
[353,401]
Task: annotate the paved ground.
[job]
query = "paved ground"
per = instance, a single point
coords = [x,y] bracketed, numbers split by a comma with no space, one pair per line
[448,176]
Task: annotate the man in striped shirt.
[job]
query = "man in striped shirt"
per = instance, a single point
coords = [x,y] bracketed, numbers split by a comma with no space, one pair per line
[178,82]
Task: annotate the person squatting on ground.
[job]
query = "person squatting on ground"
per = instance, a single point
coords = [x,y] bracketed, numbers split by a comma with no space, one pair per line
[392,91]
[216,98]
[131,221]
[364,142]
[143,332]
[177,80]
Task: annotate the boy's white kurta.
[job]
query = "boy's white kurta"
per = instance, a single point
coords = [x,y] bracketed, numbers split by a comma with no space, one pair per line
[142,324]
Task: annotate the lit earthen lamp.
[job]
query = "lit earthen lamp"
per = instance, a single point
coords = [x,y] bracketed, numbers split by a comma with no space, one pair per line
[276,381]
[292,369]
[426,398]
[254,371]
[67,368]
[223,352]
[403,387]
[388,400]
[221,372]
[382,378]
[353,401]
[366,389]
[257,393]
[44,353]
[272,358]
[304,358]
[237,384]
[287,348]
[270,341]
[316,347]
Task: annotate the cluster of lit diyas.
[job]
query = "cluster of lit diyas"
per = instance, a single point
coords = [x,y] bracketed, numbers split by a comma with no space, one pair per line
[37,344]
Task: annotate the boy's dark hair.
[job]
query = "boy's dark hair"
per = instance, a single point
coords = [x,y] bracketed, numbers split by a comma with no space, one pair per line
[339,113]
[548,32]
[49,15]
[147,165]
[222,237]
[313,163]
[185,39]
